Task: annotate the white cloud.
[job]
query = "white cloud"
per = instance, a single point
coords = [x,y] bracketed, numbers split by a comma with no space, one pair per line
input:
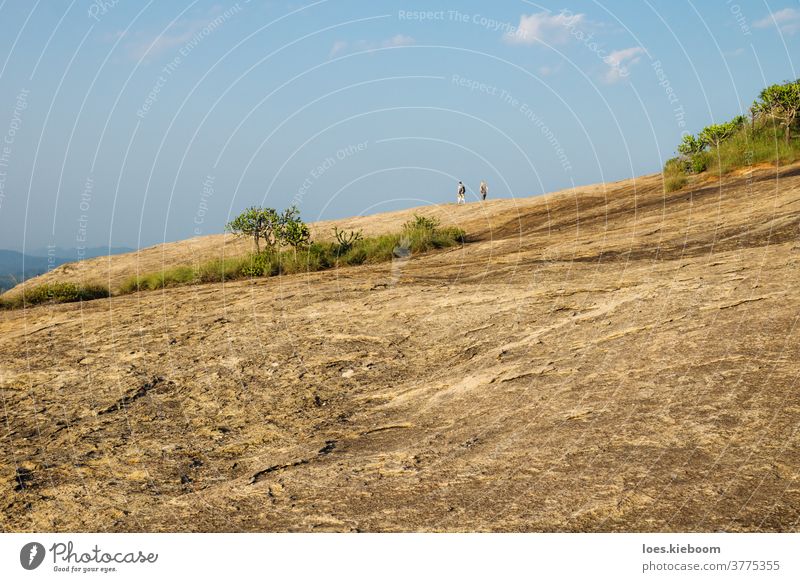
[338,47]
[619,63]
[547,70]
[787,20]
[545,27]
[398,40]
[180,33]
[153,46]
[341,46]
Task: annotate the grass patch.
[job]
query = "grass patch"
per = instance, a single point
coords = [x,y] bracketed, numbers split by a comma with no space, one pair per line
[675,176]
[160,280]
[748,146]
[55,293]
[419,235]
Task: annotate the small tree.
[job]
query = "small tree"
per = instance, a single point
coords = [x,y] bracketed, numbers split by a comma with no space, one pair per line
[717,133]
[293,231]
[691,145]
[288,216]
[346,240]
[780,103]
[296,234]
[258,223]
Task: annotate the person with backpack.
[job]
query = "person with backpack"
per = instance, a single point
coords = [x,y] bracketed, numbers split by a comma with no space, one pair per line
[484,190]
[462,190]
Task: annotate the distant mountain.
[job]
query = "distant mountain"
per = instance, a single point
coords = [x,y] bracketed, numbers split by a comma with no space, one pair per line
[39,260]
[16,267]
[73,254]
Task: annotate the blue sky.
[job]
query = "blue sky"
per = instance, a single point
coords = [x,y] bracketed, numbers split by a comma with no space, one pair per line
[133,123]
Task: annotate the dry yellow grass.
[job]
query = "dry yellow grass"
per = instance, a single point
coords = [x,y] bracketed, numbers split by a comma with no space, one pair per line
[475,218]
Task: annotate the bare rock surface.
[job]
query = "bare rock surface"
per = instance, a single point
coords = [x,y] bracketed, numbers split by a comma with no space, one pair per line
[606,359]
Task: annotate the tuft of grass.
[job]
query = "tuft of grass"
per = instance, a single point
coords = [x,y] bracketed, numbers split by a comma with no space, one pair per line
[675,182]
[419,235]
[764,144]
[748,146]
[55,293]
[675,176]
[160,280]
[220,270]
[700,162]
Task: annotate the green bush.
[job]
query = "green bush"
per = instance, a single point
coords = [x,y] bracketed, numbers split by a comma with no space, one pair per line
[680,164]
[734,144]
[161,279]
[763,144]
[346,240]
[450,236]
[418,235]
[779,104]
[259,224]
[675,182]
[674,175]
[259,265]
[55,293]
[691,145]
[699,162]
[322,254]
[354,257]
[220,270]
[715,134]
[422,223]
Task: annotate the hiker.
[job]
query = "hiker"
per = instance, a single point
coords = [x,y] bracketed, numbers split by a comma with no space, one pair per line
[461,191]
[484,189]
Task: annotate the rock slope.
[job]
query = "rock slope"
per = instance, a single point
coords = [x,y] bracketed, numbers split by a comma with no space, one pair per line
[606,359]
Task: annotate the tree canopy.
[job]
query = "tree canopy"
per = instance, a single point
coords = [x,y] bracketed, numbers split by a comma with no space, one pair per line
[781,103]
[274,228]
[257,223]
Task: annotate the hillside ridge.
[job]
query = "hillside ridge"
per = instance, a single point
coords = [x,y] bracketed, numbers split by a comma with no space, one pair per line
[116,268]
[609,359]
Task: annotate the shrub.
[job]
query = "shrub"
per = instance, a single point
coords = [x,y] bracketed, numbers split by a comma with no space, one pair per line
[355,257]
[259,265]
[715,134]
[377,249]
[700,162]
[450,236]
[750,146]
[346,240]
[257,223]
[422,223]
[56,293]
[322,254]
[691,145]
[159,280]
[679,164]
[675,182]
[220,270]
[418,235]
[780,103]
[674,175]
[734,144]
[295,233]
